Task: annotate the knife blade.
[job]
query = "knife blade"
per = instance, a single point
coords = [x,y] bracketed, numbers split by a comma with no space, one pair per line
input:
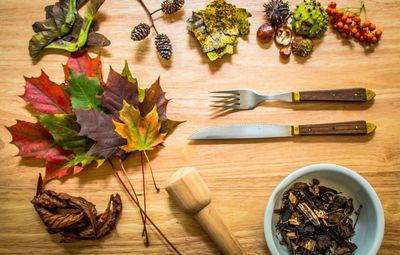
[256,131]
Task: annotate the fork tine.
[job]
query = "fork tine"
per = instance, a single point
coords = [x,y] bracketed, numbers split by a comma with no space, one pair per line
[226,101]
[235,97]
[226,91]
[225,106]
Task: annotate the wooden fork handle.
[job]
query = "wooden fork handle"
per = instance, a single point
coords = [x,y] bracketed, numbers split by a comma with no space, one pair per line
[341,128]
[339,95]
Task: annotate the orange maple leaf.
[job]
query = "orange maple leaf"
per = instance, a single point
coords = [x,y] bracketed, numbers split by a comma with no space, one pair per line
[141,133]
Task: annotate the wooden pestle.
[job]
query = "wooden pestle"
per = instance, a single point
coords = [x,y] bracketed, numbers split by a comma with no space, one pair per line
[192,194]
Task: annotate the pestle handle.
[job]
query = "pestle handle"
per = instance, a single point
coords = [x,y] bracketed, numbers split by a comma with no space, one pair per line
[191,193]
[216,229]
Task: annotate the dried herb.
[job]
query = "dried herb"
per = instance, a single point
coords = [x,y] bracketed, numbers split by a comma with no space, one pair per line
[161,41]
[315,219]
[85,120]
[218,27]
[75,218]
[65,29]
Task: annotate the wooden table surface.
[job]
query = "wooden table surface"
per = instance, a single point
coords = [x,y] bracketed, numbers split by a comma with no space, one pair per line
[241,175]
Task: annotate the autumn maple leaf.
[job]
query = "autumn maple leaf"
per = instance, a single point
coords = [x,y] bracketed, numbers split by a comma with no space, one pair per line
[33,140]
[141,133]
[45,96]
[82,63]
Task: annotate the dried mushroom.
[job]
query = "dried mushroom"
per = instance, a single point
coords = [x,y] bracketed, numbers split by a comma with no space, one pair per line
[75,218]
[315,219]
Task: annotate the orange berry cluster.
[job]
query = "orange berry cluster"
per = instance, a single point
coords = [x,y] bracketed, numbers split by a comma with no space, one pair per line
[349,25]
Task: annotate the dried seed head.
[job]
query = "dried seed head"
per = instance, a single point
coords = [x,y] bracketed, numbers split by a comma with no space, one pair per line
[140,32]
[171,6]
[276,12]
[302,46]
[163,45]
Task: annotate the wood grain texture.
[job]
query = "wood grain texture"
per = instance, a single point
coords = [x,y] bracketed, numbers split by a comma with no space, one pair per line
[346,95]
[240,174]
[339,128]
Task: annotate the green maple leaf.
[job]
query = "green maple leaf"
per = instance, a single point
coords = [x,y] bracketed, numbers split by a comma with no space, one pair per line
[84,159]
[65,132]
[84,91]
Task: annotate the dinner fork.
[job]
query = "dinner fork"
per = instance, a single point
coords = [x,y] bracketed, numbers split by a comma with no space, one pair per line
[244,99]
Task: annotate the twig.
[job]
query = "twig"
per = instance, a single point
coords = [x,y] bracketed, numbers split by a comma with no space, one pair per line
[144,232]
[144,186]
[141,210]
[149,14]
[155,11]
[151,170]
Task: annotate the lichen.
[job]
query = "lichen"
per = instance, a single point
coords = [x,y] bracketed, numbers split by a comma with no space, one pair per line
[218,26]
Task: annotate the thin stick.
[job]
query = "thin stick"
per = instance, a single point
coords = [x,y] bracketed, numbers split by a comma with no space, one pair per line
[144,232]
[151,14]
[151,171]
[144,186]
[140,208]
[148,14]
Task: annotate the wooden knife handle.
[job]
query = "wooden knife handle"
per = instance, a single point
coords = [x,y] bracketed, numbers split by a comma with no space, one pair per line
[339,95]
[342,128]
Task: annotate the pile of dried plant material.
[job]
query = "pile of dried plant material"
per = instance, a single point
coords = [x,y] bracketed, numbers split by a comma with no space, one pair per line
[315,219]
[75,218]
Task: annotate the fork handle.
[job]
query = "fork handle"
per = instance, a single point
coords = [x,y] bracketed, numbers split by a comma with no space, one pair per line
[339,95]
[341,128]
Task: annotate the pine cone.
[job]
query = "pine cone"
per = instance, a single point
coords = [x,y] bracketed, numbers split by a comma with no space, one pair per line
[140,32]
[171,6]
[163,45]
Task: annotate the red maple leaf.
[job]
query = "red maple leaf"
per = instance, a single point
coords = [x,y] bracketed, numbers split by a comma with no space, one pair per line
[82,63]
[45,96]
[33,140]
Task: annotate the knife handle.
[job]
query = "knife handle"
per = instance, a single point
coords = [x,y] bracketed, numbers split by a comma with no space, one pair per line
[341,128]
[338,95]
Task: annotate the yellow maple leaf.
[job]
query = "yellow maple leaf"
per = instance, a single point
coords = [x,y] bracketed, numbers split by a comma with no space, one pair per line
[142,133]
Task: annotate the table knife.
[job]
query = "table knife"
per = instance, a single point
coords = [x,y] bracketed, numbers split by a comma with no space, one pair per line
[254,131]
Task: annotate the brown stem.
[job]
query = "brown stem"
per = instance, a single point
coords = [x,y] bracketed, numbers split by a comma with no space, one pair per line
[141,210]
[148,14]
[144,186]
[151,14]
[144,232]
[151,171]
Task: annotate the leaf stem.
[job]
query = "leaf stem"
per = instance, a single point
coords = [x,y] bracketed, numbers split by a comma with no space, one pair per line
[149,14]
[141,210]
[151,170]
[144,188]
[144,232]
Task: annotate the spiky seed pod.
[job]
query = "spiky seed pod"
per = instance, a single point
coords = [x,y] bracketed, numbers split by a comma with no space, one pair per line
[310,19]
[302,46]
[163,45]
[276,12]
[171,6]
[140,32]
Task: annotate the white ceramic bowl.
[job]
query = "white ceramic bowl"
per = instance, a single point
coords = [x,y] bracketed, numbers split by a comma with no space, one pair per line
[371,223]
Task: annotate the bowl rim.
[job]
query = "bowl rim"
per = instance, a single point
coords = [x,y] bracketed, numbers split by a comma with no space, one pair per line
[377,206]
